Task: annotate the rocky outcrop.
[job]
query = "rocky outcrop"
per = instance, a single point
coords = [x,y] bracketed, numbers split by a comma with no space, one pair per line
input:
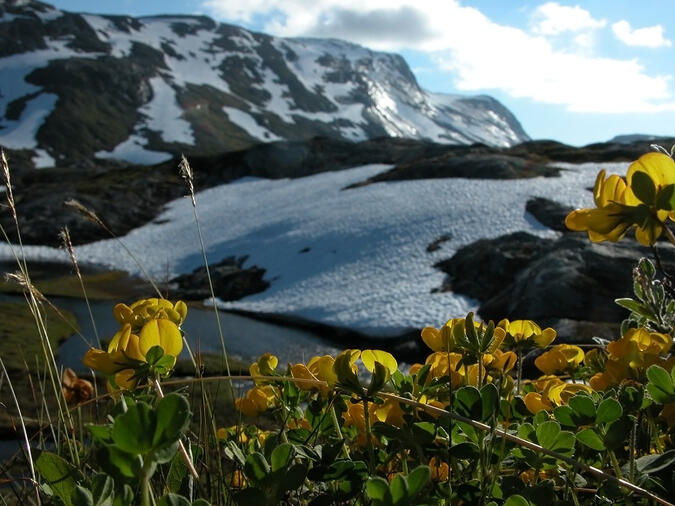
[569,282]
[231,281]
[475,165]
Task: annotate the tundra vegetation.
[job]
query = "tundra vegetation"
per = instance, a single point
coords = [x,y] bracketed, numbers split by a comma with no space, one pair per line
[463,427]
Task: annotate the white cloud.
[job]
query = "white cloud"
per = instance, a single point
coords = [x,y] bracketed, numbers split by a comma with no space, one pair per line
[649,36]
[481,55]
[552,18]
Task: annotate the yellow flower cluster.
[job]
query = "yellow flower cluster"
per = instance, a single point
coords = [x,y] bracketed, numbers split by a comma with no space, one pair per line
[630,356]
[143,325]
[644,199]
[552,392]
[560,359]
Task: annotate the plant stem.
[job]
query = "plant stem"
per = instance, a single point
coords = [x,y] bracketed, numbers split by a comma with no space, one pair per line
[338,430]
[369,441]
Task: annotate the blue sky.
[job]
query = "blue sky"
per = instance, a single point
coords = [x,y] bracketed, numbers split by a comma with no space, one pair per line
[577,72]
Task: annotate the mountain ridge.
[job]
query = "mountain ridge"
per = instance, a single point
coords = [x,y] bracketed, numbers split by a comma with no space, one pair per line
[78,87]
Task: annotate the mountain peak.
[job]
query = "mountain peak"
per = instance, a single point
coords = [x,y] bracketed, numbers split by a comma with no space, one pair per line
[78,87]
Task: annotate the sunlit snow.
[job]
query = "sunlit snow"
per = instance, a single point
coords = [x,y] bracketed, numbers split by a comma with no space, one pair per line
[366,266]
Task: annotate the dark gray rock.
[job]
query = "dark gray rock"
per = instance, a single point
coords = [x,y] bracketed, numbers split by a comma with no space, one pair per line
[568,281]
[231,281]
[549,213]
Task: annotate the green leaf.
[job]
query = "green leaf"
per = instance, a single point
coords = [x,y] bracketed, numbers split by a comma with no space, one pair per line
[173,418]
[584,408]
[100,433]
[661,385]
[465,450]
[636,307]
[281,455]
[256,467]
[173,500]
[346,377]
[133,431]
[665,198]
[643,187]
[59,474]
[490,401]
[591,439]
[608,411]
[564,415]
[379,378]
[103,490]
[114,460]
[377,490]
[82,497]
[154,354]
[468,402]
[617,433]
[547,433]
[418,479]
[177,473]
[399,489]
[424,432]
[516,500]
[293,477]
[655,463]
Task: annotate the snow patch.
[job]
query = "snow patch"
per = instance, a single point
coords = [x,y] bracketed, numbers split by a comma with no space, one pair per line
[250,125]
[21,134]
[164,114]
[133,150]
[367,267]
[42,159]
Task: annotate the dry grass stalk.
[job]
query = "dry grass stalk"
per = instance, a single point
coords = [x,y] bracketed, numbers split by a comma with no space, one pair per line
[85,211]
[8,183]
[188,175]
[64,235]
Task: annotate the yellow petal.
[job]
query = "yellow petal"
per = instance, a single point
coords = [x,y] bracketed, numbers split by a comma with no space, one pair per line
[369,357]
[432,338]
[162,333]
[182,309]
[545,338]
[122,313]
[101,361]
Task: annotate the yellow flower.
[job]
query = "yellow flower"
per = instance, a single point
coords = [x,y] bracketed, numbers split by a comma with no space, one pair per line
[145,324]
[390,412]
[526,333]
[620,206]
[552,391]
[264,366]
[441,339]
[317,369]
[560,358]
[256,401]
[500,362]
[631,355]
[355,416]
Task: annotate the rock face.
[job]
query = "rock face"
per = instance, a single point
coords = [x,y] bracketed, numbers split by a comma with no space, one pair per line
[569,283]
[230,281]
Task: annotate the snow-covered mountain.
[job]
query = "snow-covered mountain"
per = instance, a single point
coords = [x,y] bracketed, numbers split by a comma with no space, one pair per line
[75,87]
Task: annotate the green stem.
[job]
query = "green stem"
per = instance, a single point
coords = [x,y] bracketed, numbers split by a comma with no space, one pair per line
[338,430]
[145,482]
[520,371]
[369,441]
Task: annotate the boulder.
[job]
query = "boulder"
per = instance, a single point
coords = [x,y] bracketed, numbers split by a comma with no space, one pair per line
[569,283]
[231,281]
